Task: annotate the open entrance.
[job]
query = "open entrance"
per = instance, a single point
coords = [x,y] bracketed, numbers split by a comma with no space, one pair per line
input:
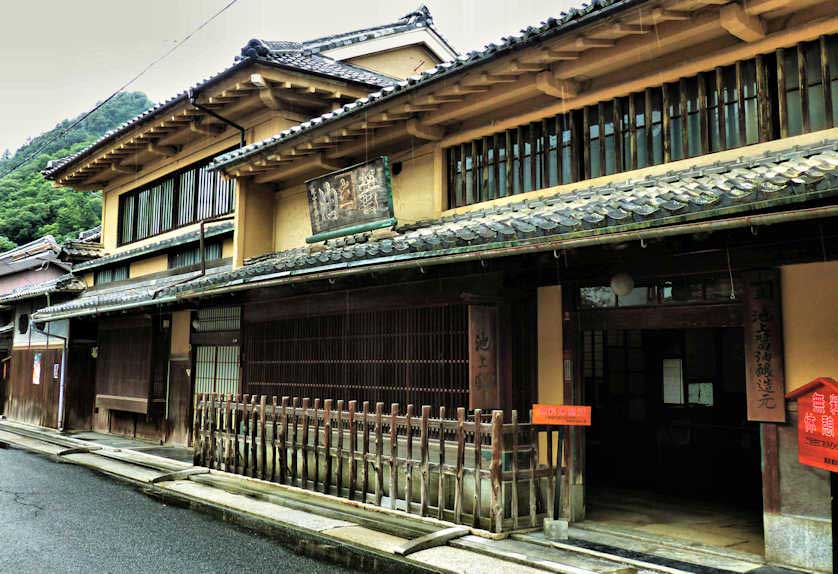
[671,453]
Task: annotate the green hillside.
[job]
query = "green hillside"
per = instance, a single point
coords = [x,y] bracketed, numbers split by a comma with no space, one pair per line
[30,206]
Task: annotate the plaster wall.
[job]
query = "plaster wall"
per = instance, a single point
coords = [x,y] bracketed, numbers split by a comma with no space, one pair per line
[148,265]
[810,322]
[398,63]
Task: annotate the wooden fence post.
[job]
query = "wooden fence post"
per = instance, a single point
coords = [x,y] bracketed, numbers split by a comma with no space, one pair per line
[327,444]
[339,453]
[211,421]
[533,452]
[253,447]
[497,454]
[236,429]
[408,487]
[283,440]
[273,438]
[426,474]
[263,437]
[353,435]
[316,442]
[245,433]
[305,443]
[228,441]
[197,434]
[394,456]
[365,452]
[461,456]
[478,466]
[294,461]
[379,453]
[515,469]
[440,512]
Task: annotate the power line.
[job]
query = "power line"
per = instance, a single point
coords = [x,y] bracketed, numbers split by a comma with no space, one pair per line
[119,89]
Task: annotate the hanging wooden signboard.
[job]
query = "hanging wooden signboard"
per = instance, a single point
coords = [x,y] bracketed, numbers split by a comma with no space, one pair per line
[483,357]
[351,200]
[765,384]
[566,415]
[817,415]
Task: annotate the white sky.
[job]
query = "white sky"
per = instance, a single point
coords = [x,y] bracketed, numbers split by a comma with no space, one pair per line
[59,57]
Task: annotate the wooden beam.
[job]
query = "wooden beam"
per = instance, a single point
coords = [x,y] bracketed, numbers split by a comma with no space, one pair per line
[317,162]
[204,129]
[548,83]
[162,150]
[739,23]
[125,170]
[664,15]
[498,96]
[672,73]
[421,131]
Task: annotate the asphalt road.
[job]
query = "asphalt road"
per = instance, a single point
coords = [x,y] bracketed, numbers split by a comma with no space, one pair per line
[57,517]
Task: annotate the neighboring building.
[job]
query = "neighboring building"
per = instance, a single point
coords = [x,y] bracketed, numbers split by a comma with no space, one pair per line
[36,275]
[632,207]
[161,203]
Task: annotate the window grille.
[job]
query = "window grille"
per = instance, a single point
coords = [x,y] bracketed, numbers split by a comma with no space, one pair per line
[789,92]
[192,255]
[185,197]
[217,369]
[110,274]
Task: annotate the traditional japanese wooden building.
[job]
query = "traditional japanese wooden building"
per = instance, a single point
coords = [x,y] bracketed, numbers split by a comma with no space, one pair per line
[630,207]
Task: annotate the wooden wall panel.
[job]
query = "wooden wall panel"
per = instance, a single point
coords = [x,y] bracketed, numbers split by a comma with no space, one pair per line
[124,363]
[80,388]
[27,402]
[180,399]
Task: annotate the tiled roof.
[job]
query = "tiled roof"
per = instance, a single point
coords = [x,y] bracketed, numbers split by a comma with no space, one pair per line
[40,252]
[566,21]
[715,190]
[325,66]
[122,295]
[67,283]
[81,250]
[419,18]
[256,51]
[91,235]
[211,230]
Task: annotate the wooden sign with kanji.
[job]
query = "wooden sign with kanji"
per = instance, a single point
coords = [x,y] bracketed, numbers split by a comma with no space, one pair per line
[817,414]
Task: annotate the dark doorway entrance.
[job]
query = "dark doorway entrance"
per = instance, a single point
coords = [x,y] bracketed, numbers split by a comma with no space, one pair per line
[671,451]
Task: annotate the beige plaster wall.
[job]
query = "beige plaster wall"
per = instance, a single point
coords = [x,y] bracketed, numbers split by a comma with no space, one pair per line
[810,322]
[148,265]
[399,62]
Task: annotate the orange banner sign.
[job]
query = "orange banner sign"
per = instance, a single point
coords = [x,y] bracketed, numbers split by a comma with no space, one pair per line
[570,415]
[817,415]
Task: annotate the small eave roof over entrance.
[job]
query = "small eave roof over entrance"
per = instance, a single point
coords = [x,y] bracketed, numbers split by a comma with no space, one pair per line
[788,176]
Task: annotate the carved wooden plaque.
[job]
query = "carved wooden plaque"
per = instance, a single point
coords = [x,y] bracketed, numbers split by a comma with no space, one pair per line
[483,357]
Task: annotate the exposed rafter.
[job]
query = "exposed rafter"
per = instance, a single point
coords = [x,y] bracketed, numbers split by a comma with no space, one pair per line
[419,130]
[548,83]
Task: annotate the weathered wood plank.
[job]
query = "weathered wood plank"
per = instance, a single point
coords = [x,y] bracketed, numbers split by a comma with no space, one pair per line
[440,513]
[425,491]
[478,466]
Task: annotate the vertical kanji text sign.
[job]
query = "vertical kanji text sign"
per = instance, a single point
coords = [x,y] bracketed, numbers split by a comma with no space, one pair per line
[765,384]
[817,415]
[483,357]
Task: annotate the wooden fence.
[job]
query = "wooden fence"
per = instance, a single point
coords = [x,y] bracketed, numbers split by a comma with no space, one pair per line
[481,471]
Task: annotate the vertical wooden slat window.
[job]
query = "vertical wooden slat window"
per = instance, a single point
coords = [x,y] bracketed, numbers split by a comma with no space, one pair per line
[188,196]
[784,93]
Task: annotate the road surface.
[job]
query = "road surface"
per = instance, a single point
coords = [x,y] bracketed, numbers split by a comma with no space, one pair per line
[57,517]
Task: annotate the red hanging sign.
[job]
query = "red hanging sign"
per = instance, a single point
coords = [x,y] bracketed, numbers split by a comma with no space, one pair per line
[568,415]
[817,418]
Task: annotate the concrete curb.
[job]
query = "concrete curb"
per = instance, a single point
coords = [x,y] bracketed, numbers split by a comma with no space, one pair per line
[337,530]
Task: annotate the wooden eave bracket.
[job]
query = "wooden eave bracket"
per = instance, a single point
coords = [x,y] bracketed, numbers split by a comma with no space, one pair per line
[744,26]
[548,83]
[266,94]
[419,130]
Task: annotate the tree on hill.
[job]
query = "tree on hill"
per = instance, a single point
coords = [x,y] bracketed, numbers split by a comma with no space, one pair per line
[30,206]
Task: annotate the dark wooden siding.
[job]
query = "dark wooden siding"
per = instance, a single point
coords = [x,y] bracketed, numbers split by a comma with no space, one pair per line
[80,388]
[416,354]
[25,401]
[124,363]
